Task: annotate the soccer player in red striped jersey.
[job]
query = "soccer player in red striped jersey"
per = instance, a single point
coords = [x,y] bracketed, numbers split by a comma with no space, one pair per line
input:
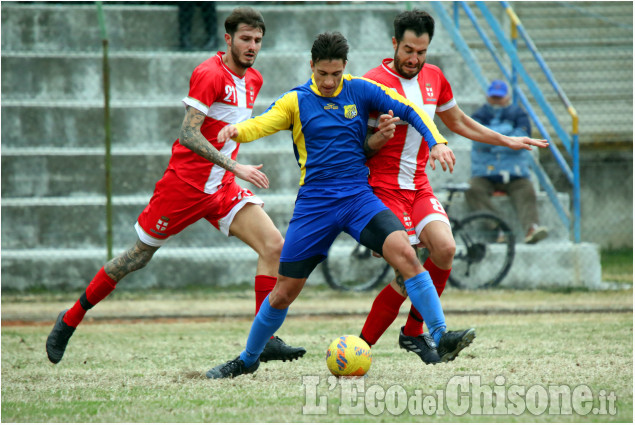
[397,160]
[199,182]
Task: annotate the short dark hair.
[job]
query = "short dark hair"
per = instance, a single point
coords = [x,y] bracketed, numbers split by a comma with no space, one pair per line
[244,15]
[329,46]
[418,21]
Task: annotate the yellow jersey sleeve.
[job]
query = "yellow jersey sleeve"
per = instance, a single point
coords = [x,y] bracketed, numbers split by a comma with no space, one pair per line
[279,116]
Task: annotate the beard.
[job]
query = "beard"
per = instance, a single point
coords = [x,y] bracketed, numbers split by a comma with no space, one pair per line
[400,69]
[236,57]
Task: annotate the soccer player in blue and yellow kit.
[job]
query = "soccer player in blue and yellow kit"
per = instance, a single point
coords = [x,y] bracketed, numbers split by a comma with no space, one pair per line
[328,117]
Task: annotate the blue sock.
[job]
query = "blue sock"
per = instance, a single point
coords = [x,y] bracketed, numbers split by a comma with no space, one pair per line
[423,295]
[266,323]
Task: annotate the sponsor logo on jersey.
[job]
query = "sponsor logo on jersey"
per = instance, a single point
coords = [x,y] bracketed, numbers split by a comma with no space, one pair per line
[331,106]
[350,111]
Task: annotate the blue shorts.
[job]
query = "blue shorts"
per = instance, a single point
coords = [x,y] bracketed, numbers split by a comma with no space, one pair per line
[321,213]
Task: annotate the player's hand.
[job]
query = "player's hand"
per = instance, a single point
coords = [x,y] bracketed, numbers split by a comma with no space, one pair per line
[517,143]
[387,125]
[226,133]
[251,174]
[442,153]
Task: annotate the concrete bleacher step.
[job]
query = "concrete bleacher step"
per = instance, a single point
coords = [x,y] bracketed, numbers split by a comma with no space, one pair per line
[32,223]
[66,222]
[155,27]
[63,76]
[79,172]
[545,266]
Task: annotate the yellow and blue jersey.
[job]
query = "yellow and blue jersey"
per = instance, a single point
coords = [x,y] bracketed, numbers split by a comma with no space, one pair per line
[329,132]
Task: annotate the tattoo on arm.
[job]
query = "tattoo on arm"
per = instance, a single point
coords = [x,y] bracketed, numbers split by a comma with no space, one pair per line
[192,138]
[368,151]
[133,259]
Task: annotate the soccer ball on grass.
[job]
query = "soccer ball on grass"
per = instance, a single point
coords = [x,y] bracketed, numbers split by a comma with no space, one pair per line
[348,355]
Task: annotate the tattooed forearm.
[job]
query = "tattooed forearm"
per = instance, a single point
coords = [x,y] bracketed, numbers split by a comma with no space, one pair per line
[192,138]
[368,151]
[133,259]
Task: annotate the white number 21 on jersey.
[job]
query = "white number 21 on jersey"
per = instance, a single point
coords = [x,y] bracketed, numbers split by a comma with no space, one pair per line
[230,94]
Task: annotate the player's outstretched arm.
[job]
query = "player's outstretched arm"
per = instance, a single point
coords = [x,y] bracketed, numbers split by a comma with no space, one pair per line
[460,123]
[192,138]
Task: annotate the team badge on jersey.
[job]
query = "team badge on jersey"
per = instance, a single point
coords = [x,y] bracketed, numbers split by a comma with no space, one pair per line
[350,111]
[429,91]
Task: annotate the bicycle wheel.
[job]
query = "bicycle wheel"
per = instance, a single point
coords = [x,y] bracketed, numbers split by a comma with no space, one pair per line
[484,251]
[350,266]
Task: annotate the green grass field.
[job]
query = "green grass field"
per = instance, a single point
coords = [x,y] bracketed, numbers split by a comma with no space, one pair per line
[152,369]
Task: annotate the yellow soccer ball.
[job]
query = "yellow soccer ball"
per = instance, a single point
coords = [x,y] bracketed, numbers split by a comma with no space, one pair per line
[348,355]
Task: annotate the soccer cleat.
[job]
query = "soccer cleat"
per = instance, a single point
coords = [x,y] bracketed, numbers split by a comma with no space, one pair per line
[276,349]
[453,342]
[422,345]
[58,339]
[231,369]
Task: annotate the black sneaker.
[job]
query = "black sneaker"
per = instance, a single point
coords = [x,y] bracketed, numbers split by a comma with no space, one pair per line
[453,342]
[276,349]
[231,369]
[58,339]
[422,345]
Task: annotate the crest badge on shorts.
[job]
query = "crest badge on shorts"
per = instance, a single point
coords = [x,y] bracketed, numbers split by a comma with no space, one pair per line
[350,111]
[162,223]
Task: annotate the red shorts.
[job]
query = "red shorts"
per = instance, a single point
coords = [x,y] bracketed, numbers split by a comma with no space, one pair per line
[415,208]
[175,205]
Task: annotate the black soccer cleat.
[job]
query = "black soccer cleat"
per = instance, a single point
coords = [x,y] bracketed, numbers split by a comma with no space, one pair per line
[58,339]
[276,349]
[422,345]
[231,369]
[453,342]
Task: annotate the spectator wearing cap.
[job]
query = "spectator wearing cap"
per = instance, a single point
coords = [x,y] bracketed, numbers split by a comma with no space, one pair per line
[500,169]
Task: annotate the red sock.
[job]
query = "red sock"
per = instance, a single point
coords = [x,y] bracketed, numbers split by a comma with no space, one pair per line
[97,290]
[383,312]
[439,276]
[414,324]
[264,285]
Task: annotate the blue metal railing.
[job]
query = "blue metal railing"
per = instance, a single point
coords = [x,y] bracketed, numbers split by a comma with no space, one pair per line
[570,143]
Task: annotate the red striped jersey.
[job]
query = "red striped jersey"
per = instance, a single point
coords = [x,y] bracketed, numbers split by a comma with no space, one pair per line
[224,98]
[401,163]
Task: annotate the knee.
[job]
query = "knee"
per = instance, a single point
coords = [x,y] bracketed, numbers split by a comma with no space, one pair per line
[273,249]
[445,252]
[281,298]
[401,256]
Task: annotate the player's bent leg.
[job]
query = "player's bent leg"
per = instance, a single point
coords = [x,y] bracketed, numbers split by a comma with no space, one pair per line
[253,226]
[400,255]
[268,320]
[99,288]
[437,237]
[283,294]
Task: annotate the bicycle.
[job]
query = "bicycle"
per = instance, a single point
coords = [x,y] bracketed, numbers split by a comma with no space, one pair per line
[485,248]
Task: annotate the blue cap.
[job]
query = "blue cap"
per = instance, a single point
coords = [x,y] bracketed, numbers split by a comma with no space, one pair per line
[497,88]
